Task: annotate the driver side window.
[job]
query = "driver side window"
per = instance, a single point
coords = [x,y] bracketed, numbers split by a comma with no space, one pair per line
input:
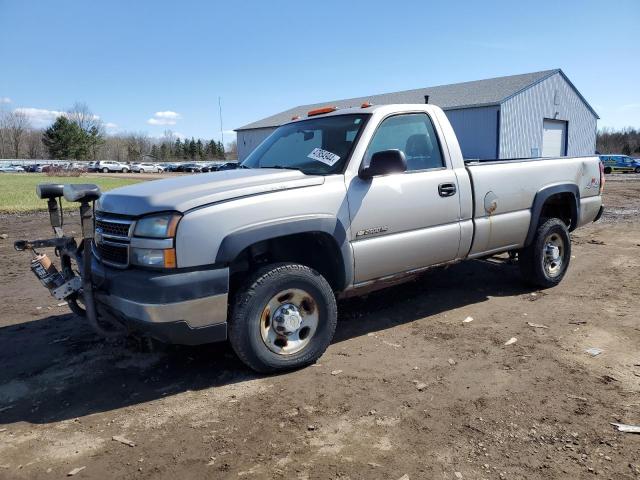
[414,135]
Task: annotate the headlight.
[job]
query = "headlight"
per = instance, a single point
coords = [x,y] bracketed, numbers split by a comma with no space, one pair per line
[153,243]
[154,257]
[157,226]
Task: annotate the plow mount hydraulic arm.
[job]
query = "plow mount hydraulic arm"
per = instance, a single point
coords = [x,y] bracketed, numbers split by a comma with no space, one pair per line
[72,282]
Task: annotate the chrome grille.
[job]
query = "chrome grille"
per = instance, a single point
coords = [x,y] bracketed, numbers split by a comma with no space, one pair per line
[111,240]
[115,255]
[112,228]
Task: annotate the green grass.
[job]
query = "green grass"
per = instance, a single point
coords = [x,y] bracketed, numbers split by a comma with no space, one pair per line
[18,190]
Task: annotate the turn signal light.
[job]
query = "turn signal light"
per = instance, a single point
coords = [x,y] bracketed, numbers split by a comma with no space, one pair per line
[601,177]
[170,258]
[320,111]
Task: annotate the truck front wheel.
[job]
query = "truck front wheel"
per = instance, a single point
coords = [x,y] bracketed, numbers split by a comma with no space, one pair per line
[283,318]
[545,262]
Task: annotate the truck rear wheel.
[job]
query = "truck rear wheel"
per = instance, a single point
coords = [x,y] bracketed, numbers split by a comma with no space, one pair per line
[545,262]
[283,318]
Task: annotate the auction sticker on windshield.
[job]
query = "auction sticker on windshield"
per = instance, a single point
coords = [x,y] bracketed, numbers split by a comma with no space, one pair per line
[324,156]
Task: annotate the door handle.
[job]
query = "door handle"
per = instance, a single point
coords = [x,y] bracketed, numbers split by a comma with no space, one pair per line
[447,189]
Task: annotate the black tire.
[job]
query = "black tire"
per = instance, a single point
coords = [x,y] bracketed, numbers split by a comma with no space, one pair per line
[637,170]
[105,170]
[607,170]
[537,267]
[125,170]
[245,321]
[76,305]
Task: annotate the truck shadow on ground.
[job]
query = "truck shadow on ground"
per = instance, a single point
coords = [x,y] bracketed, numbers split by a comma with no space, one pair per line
[56,368]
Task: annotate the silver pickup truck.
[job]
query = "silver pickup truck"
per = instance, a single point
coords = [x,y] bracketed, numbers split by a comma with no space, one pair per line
[335,204]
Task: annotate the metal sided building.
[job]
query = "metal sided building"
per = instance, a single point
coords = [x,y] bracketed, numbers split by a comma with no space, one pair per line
[529,115]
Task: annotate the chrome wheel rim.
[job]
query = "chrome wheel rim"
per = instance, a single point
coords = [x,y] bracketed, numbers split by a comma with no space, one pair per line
[289,321]
[553,255]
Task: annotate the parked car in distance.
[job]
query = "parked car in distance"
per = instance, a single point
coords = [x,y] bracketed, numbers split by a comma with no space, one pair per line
[11,169]
[146,168]
[210,167]
[170,167]
[189,167]
[81,167]
[228,166]
[620,163]
[106,166]
[31,168]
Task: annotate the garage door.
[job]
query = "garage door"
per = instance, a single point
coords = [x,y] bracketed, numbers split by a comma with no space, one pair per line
[554,138]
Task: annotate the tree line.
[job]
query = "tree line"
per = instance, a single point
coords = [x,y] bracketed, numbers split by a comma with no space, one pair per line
[78,134]
[625,141]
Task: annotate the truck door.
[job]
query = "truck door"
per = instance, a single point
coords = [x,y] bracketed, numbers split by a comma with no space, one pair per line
[408,220]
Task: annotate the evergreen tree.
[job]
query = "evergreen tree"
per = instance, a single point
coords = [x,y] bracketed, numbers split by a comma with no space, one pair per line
[64,140]
[164,151]
[177,149]
[200,150]
[212,149]
[193,149]
[155,153]
[220,150]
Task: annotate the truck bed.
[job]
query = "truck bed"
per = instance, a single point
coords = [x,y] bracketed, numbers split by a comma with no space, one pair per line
[502,201]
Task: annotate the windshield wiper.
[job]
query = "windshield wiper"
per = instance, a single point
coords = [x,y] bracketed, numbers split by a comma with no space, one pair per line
[282,167]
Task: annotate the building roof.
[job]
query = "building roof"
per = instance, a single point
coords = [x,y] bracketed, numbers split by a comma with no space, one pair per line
[491,91]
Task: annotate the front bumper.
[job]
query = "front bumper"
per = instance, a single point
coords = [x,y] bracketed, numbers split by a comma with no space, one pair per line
[188,308]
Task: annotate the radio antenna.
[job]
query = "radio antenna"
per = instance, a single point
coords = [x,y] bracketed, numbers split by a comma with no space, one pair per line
[220,112]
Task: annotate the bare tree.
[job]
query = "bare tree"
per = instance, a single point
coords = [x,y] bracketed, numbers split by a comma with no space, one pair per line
[4,137]
[14,126]
[34,146]
[91,125]
[232,150]
[81,115]
[169,137]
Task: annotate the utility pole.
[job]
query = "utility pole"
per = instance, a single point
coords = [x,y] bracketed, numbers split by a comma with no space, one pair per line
[220,112]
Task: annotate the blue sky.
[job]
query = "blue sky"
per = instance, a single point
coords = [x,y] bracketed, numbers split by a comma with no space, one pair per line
[146,66]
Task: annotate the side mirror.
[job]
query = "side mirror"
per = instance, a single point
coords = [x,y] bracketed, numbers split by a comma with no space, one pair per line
[384,163]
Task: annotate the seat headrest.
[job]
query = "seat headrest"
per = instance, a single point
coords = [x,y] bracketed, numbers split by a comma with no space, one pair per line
[418,145]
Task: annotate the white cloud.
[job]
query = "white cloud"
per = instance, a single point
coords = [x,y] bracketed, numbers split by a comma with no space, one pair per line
[168,114]
[164,118]
[161,121]
[4,100]
[110,125]
[40,117]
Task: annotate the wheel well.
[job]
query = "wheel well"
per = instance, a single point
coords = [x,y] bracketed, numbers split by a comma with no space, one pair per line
[562,206]
[317,250]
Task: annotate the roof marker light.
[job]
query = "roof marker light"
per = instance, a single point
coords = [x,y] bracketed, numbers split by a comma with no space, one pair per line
[296,117]
[320,111]
[366,104]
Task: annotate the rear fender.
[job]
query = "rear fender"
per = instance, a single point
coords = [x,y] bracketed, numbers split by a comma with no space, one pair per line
[541,198]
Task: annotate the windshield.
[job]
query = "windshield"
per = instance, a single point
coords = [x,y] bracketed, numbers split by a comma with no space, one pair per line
[319,146]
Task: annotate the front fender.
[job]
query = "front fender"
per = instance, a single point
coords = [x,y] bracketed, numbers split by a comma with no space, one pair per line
[237,241]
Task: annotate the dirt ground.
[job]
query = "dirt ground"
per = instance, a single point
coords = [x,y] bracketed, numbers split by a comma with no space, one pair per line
[405,388]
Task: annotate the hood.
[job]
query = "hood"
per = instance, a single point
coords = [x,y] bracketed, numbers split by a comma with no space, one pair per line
[186,192]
